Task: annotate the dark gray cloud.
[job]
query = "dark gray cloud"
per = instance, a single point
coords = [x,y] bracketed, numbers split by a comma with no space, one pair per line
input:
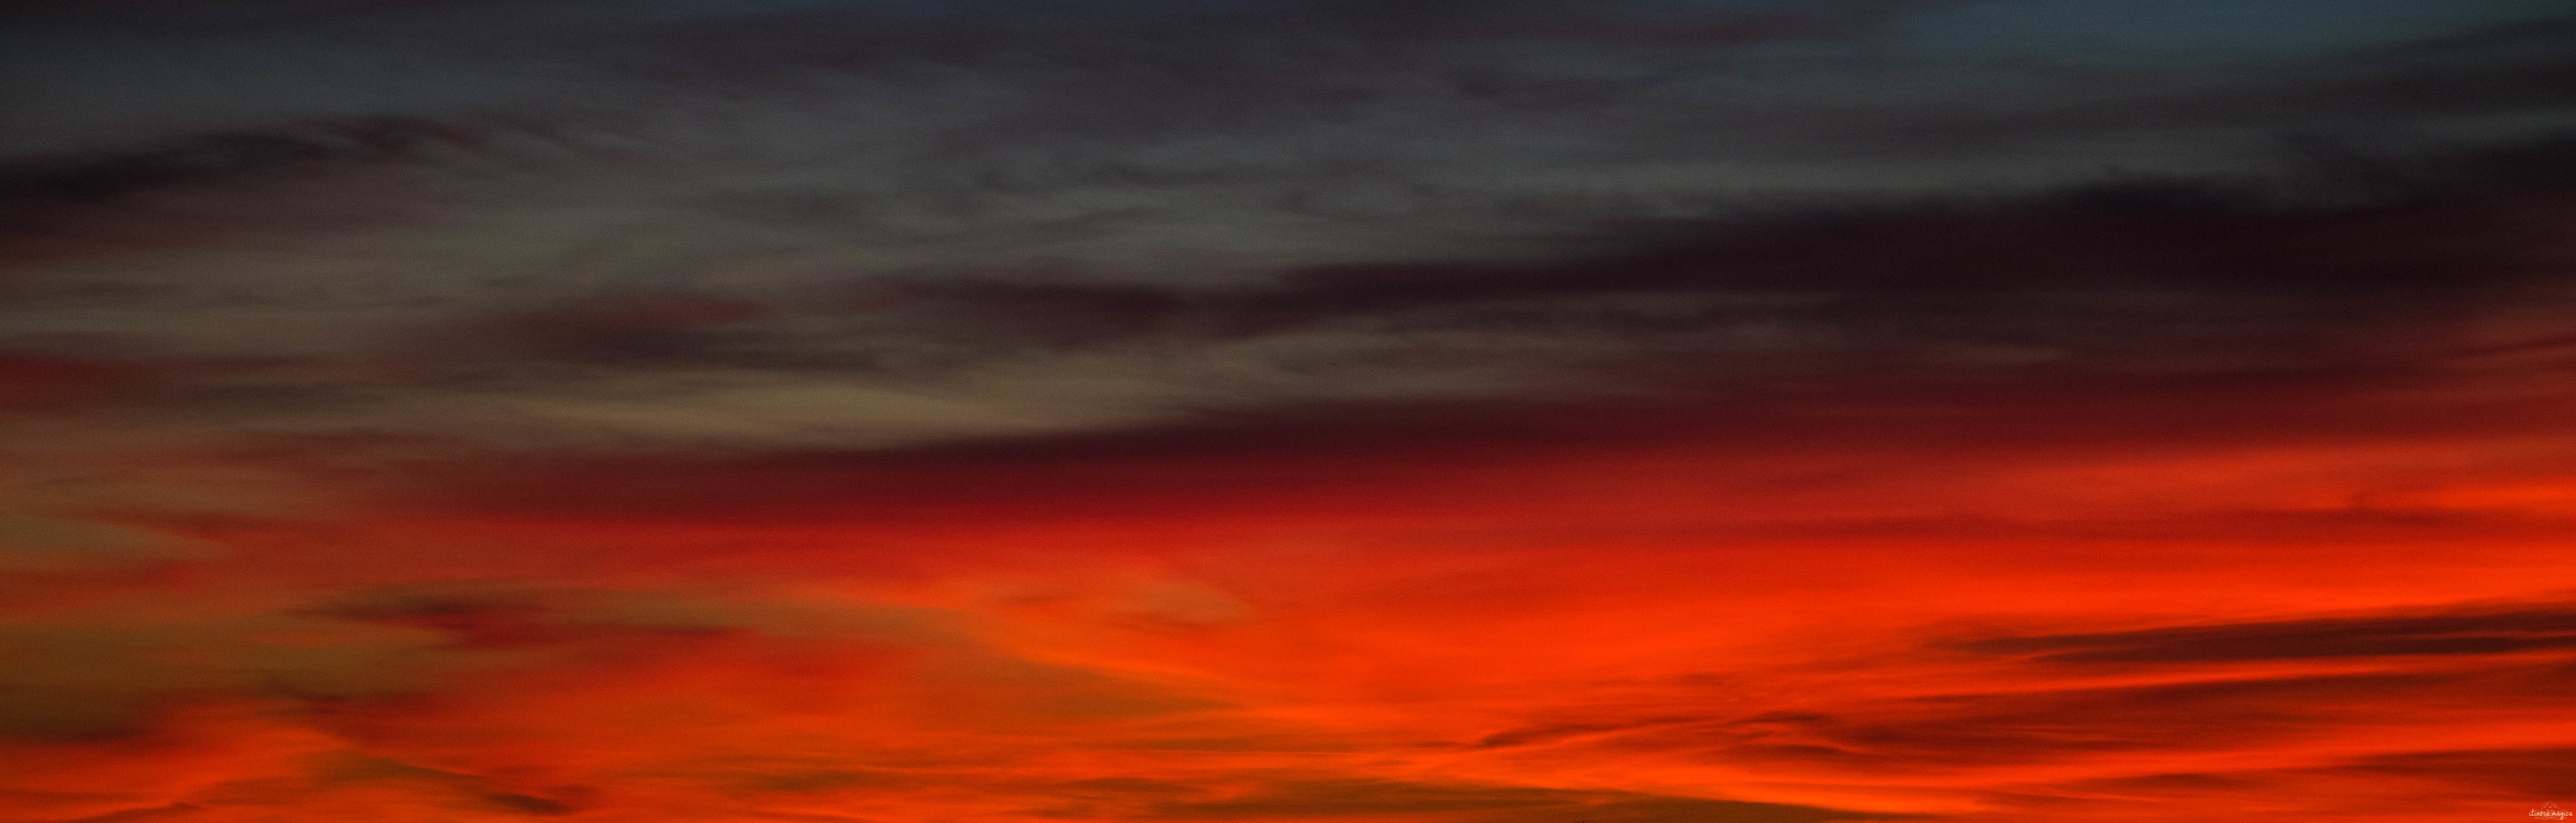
[641,343]
[838,226]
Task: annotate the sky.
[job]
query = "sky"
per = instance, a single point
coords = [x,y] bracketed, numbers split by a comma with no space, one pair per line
[1286,411]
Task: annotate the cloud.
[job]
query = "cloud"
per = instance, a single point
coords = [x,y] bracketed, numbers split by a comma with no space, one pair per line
[1430,620]
[896,359]
[1348,798]
[1278,411]
[2441,634]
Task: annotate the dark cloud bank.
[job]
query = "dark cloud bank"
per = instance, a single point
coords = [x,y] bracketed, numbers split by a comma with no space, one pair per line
[733,229]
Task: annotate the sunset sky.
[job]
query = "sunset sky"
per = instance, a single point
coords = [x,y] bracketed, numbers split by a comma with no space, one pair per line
[1287,411]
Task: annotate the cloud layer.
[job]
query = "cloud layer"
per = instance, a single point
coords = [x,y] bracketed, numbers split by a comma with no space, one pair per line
[1489,413]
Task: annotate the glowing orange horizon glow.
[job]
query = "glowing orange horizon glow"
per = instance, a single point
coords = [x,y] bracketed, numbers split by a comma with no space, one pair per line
[1889,611]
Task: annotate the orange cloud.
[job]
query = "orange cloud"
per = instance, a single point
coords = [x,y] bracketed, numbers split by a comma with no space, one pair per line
[1967,606]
